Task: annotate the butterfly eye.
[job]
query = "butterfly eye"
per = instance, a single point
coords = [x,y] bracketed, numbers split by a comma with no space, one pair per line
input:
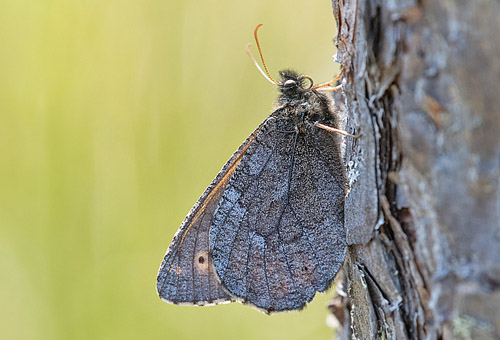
[290,83]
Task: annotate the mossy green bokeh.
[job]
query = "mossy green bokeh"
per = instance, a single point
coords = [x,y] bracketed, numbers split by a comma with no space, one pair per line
[115,116]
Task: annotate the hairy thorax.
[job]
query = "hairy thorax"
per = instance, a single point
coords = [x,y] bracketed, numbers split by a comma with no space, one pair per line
[299,106]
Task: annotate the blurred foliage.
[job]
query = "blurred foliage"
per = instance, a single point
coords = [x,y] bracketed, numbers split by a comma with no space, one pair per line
[115,116]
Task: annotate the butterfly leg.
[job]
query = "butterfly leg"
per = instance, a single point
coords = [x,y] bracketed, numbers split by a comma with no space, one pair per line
[335,130]
[331,89]
[330,84]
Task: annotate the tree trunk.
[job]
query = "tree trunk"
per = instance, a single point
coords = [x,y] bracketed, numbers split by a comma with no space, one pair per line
[422,84]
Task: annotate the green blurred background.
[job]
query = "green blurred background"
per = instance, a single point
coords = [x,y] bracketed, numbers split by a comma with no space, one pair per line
[115,116]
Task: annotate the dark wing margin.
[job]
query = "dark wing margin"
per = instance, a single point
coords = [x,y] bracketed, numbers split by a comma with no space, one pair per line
[187,275]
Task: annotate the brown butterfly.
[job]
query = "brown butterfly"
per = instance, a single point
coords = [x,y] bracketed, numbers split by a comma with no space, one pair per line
[269,230]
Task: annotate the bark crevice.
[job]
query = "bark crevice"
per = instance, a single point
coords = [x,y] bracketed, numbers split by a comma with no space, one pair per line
[422,84]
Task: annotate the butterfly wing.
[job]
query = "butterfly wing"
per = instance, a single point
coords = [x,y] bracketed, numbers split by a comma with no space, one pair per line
[277,236]
[187,275]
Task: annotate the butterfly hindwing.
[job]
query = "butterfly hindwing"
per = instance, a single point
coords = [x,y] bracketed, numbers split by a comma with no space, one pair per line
[277,235]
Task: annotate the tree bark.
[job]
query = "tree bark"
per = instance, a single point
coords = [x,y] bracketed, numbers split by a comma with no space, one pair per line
[422,84]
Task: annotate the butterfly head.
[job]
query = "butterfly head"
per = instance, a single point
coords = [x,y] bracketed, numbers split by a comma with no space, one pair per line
[292,84]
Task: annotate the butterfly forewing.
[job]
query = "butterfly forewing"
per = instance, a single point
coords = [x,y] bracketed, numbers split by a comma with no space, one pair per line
[187,274]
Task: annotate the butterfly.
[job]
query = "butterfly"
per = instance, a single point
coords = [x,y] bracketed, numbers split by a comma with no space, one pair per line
[269,230]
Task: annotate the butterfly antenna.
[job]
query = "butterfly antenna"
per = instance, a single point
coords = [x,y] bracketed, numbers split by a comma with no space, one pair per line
[266,74]
[247,48]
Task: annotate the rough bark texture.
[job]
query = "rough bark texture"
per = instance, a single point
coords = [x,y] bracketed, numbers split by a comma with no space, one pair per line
[422,84]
